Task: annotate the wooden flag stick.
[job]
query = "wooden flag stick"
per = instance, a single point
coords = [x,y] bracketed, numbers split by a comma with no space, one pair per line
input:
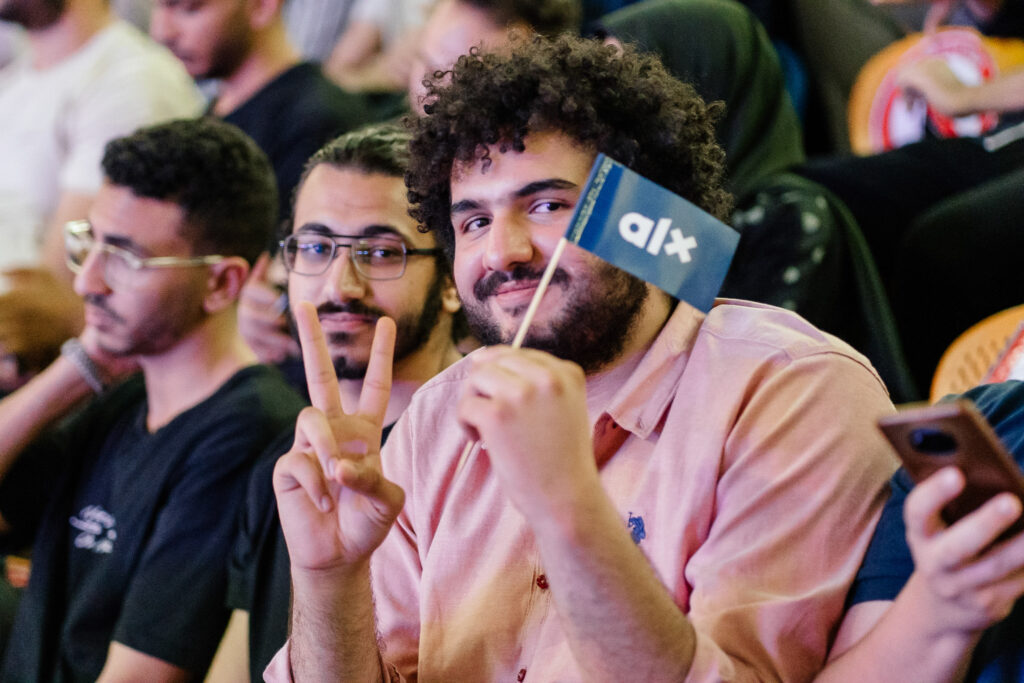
[524,326]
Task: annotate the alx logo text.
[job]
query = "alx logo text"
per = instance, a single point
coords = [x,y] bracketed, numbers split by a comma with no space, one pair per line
[644,232]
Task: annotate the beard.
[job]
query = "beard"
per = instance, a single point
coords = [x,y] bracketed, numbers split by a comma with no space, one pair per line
[146,335]
[32,15]
[229,54]
[592,328]
[413,329]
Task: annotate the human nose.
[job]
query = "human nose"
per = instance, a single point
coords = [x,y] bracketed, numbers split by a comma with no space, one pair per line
[509,243]
[91,277]
[344,281]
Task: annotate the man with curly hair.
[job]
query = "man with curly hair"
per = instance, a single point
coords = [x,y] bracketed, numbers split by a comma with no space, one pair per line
[658,494]
[131,502]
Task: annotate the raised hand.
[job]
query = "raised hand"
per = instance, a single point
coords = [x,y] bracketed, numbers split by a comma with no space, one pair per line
[37,313]
[261,317]
[529,410]
[335,505]
[970,584]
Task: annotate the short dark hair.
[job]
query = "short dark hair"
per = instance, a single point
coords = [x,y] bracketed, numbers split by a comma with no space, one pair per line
[623,104]
[546,17]
[376,148]
[219,177]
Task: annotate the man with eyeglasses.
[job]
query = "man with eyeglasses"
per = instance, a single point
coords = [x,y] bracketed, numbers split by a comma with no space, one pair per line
[356,255]
[130,491]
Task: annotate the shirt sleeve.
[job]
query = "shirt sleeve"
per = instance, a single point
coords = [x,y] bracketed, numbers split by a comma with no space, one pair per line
[801,487]
[174,608]
[887,564]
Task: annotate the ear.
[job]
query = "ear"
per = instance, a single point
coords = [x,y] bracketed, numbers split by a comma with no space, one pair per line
[225,283]
[450,301]
[263,13]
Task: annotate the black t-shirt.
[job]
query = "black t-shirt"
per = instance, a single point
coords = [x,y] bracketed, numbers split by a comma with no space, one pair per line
[259,575]
[133,529]
[295,115]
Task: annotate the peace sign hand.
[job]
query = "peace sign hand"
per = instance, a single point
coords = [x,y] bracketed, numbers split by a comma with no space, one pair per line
[335,505]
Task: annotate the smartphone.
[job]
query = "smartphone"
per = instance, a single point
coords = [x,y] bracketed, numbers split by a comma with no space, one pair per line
[954,433]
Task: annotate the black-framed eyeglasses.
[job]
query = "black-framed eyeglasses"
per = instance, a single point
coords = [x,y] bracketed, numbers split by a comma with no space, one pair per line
[120,266]
[379,257]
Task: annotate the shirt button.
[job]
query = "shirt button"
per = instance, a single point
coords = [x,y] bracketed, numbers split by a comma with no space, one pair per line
[522,675]
[542,582]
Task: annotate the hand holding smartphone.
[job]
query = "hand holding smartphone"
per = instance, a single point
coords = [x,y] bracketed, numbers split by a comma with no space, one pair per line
[956,434]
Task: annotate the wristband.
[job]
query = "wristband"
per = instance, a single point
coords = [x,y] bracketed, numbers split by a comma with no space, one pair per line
[73,350]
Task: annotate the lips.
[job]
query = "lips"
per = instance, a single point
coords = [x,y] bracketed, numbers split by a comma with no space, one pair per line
[99,316]
[516,292]
[512,284]
[346,322]
[98,320]
[517,286]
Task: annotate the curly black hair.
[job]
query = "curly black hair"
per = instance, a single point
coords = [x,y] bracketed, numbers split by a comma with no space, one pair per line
[213,171]
[621,103]
[546,17]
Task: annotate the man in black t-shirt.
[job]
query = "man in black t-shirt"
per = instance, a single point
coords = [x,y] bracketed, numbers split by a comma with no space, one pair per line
[356,254]
[286,105]
[131,502]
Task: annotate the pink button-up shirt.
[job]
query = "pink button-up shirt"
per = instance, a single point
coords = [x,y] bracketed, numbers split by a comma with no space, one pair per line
[742,454]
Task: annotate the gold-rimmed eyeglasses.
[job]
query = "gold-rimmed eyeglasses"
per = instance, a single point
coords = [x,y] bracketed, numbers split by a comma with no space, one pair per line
[120,266]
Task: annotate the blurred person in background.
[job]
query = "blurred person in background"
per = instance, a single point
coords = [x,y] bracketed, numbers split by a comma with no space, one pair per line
[81,77]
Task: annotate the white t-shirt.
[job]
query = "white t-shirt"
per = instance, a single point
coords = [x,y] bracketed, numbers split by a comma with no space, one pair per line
[55,122]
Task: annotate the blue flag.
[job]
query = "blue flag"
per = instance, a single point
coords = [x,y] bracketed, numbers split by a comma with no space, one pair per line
[652,233]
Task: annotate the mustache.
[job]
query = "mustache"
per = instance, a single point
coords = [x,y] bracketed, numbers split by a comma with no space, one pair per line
[353,307]
[100,302]
[488,286]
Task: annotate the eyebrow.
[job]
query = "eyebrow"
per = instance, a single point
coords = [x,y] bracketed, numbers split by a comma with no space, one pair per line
[525,191]
[124,243]
[543,185]
[372,230]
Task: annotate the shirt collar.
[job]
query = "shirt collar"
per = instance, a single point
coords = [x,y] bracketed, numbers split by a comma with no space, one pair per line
[642,401]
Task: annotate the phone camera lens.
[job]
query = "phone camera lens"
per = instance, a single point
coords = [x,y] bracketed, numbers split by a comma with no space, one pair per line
[935,441]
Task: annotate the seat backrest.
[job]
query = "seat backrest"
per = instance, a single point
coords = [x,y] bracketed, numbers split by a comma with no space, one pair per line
[968,359]
[801,249]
